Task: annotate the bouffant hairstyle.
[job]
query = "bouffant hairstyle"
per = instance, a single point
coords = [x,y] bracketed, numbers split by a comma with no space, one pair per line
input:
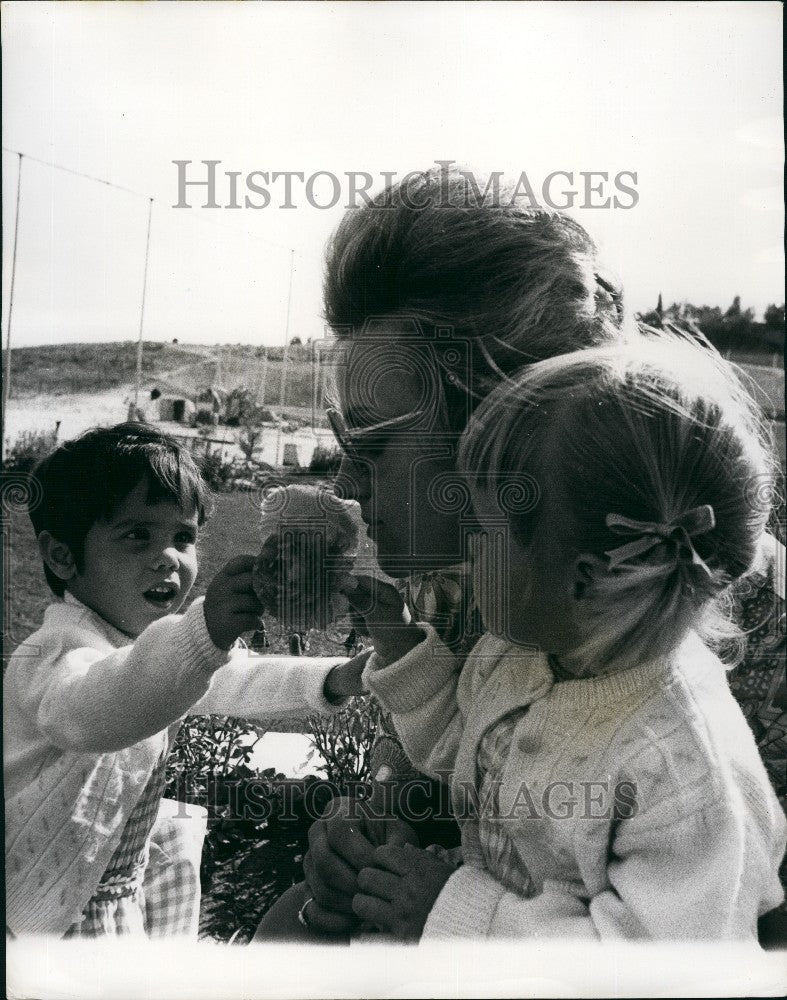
[442,252]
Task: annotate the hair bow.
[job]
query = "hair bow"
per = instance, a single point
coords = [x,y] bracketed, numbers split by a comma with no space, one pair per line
[697,521]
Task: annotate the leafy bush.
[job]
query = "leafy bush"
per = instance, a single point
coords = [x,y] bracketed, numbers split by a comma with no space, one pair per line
[28,450]
[258,823]
[345,740]
[246,863]
[208,747]
[253,862]
[215,471]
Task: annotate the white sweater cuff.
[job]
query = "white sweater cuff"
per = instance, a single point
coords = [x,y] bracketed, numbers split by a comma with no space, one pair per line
[197,643]
[465,907]
[314,679]
[419,675]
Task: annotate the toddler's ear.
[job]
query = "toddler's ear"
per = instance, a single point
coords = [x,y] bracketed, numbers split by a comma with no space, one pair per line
[57,555]
[588,570]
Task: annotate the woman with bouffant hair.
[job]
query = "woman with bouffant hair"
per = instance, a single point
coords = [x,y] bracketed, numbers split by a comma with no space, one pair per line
[437,291]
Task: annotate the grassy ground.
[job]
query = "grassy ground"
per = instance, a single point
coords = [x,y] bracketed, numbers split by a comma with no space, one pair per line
[60,369]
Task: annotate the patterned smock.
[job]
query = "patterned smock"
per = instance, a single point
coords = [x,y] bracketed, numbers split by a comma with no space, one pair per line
[759,682]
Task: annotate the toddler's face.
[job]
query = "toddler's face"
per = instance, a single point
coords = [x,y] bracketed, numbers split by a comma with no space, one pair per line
[140,564]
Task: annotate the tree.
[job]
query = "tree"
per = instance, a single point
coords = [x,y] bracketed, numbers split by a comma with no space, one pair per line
[774,317]
[732,329]
[240,404]
[251,435]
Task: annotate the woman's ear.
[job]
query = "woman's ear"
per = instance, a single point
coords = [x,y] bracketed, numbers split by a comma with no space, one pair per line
[588,570]
[57,556]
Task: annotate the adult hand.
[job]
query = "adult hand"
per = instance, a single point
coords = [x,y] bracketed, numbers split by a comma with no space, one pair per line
[398,891]
[340,845]
[231,606]
[378,610]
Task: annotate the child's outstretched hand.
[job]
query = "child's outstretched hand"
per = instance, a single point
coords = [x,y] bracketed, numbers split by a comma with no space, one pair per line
[398,893]
[231,606]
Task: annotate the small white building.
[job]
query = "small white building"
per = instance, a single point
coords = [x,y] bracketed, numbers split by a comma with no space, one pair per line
[177,409]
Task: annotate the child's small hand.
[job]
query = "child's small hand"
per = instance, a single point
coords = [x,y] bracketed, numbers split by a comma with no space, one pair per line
[231,606]
[344,680]
[379,611]
[398,893]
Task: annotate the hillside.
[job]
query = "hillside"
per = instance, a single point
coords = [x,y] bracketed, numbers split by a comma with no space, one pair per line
[68,369]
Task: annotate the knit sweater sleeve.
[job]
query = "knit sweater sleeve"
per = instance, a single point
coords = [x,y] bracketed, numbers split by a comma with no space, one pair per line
[265,687]
[89,701]
[424,692]
[702,877]
[473,904]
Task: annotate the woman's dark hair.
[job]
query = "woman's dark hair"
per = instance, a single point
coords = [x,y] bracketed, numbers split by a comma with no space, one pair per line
[86,479]
[444,252]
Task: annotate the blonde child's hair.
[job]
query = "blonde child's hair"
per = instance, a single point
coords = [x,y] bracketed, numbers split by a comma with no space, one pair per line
[650,431]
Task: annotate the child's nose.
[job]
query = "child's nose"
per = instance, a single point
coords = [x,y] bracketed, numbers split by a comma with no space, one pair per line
[166,558]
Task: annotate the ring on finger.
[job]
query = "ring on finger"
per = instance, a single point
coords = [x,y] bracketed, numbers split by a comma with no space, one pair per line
[303,920]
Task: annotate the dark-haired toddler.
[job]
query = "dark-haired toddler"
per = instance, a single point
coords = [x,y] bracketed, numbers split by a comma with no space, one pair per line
[94,699]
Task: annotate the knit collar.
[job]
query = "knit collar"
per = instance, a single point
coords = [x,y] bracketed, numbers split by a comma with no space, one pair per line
[110,633]
[591,692]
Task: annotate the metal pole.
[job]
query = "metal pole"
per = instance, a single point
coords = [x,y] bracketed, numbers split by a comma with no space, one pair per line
[264,377]
[142,309]
[314,387]
[285,357]
[7,377]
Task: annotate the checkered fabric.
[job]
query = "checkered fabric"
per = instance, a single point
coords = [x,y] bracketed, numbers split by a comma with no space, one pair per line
[116,907]
[172,885]
[497,848]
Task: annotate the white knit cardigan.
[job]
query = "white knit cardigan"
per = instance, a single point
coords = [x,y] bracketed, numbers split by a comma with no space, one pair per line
[697,856]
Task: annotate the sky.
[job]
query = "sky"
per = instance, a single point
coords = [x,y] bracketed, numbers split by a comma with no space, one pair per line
[686,96]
